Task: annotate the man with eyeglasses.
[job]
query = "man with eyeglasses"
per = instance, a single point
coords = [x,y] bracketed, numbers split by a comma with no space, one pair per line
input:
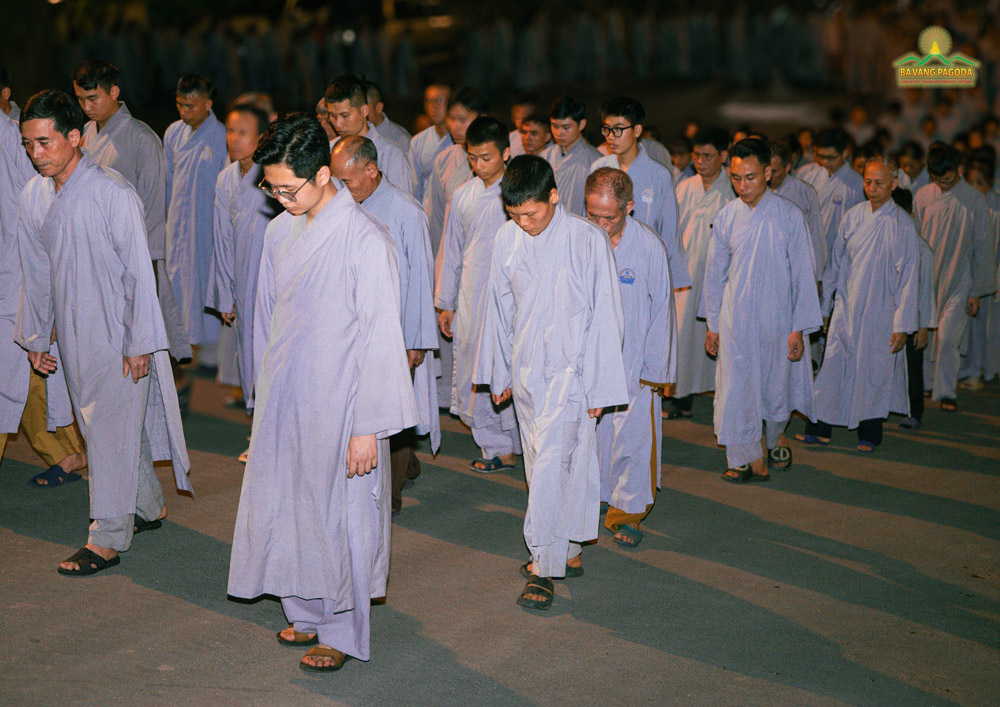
[347,106]
[955,221]
[313,521]
[655,201]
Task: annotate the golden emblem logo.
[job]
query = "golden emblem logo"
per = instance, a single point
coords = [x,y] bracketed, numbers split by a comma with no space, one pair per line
[934,67]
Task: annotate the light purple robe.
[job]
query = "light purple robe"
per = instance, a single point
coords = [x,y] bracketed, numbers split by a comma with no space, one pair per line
[475,215]
[837,193]
[629,440]
[331,364]
[15,371]
[870,287]
[451,170]
[655,206]
[424,149]
[697,207]
[553,334]
[759,288]
[407,223]
[571,170]
[242,213]
[194,160]
[803,195]
[87,269]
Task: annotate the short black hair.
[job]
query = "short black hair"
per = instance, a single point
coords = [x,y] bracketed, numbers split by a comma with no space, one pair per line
[471,99]
[373,92]
[485,129]
[358,149]
[538,118]
[250,109]
[913,150]
[679,145]
[782,151]
[836,138]
[984,167]
[868,150]
[714,136]
[195,83]
[4,78]
[942,159]
[347,88]
[298,141]
[567,107]
[95,73]
[753,147]
[528,178]
[50,104]
[624,107]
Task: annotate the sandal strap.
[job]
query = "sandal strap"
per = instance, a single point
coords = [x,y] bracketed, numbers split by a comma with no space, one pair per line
[543,583]
[87,556]
[325,652]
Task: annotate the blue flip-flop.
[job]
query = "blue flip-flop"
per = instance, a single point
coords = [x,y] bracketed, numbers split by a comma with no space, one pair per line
[811,439]
[489,465]
[54,476]
[866,447]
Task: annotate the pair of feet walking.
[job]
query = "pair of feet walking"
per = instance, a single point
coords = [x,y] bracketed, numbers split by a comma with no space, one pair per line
[759,470]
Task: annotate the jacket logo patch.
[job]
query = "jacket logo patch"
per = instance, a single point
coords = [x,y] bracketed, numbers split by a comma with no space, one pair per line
[626,277]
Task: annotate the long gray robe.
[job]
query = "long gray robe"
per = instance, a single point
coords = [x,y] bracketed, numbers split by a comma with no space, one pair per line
[194,160]
[242,214]
[15,371]
[697,207]
[837,193]
[131,148]
[407,223]
[393,162]
[629,440]
[803,195]
[87,270]
[331,364]
[655,206]
[424,149]
[956,225]
[475,215]
[870,288]
[982,353]
[571,170]
[553,334]
[759,288]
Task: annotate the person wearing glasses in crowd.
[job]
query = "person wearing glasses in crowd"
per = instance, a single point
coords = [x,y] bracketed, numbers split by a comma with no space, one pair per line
[655,201]
[313,521]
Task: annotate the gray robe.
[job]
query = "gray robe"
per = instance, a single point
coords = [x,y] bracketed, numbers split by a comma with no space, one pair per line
[837,193]
[394,133]
[87,270]
[870,288]
[424,149]
[571,170]
[553,334]
[331,364]
[803,195]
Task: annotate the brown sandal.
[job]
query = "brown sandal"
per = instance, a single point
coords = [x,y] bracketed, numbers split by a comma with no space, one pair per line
[301,639]
[324,652]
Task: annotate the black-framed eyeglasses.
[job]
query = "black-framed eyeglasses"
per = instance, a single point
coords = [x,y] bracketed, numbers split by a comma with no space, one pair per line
[615,131]
[282,194]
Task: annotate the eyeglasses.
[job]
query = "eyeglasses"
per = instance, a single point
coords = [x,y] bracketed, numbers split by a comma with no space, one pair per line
[616,130]
[280,194]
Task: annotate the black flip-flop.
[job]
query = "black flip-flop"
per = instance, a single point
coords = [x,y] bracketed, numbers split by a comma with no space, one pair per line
[85,558]
[537,585]
[54,476]
[779,457]
[140,525]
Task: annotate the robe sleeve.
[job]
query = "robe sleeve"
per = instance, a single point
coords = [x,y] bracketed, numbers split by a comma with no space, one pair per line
[418,173]
[984,268]
[168,164]
[925,280]
[436,212]
[35,316]
[716,277]
[399,171]
[805,301]
[452,249]
[222,286]
[680,274]
[831,273]
[906,261]
[815,226]
[141,313]
[264,304]
[603,366]
[152,187]
[659,351]
[384,403]
[419,322]
[493,363]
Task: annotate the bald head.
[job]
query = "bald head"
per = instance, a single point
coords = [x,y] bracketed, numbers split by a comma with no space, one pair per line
[354,161]
[608,195]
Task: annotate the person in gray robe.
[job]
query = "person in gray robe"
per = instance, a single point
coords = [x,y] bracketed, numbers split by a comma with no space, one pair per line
[803,195]
[955,221]
[552,340]
[656,202]
[113,138]
[570,154]
[699,199]
[346,103]
[430,142]
[313,521]
[355,163]
[759,300]
[78,219]
[38,405]
[629,440]
[195,151]
[393,132]
[870,288]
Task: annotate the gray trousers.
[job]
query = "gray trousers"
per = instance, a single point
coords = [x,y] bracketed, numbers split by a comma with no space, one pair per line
[739,454]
